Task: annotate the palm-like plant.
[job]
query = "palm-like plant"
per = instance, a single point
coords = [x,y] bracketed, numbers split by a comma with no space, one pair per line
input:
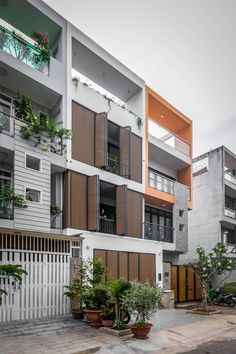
[14,271]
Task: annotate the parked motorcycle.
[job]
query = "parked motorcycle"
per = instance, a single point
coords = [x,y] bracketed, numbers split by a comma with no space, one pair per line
[223,299]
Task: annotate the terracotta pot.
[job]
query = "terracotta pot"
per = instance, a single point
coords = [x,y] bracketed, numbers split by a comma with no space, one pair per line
[140,332]
[107,323]
[78,314]
[94,317]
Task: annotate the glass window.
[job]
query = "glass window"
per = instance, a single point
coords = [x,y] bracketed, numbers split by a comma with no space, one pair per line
[181,227]
[33,195]
[34,163]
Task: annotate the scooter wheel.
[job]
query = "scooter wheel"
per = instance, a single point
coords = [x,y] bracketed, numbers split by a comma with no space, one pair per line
[215,301]
[230,302]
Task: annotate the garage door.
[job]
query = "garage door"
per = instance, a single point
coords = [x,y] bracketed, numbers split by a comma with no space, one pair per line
[128,265]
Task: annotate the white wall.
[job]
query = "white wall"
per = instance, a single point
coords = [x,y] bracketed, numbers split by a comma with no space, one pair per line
[162,168]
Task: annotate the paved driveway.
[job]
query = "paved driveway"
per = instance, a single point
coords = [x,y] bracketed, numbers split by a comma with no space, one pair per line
[63,335]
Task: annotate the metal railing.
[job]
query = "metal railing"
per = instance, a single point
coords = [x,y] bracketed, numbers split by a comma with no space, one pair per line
[8,213]
[18,47]
[7,126]
[159,233]
[230,177]
[168,137]
[6,123]
[107,226]
[160,182]
[114,166]
[230,213]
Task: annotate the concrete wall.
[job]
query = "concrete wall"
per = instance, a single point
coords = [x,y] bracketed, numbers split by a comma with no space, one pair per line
[181,203]
[158,166]
[208,196]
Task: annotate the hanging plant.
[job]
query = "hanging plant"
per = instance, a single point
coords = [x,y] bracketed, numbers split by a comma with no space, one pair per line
[42,43]
[46,132]
[139,121]
[8,196]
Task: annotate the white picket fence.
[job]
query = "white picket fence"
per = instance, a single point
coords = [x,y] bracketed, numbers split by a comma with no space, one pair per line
[41,292]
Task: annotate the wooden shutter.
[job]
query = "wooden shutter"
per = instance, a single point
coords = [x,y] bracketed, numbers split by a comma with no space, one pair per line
[136,158]
[75,201]
[101,139]
[121,210]
[174,281]
[133,266]
[125,151]
[112,265]
[135,214]
[123,265]
[182,283]
[83,134]
[93,203]
[147,267]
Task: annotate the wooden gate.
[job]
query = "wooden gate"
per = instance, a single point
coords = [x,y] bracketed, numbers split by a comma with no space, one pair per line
[128,265]
[41,293]
[185,284]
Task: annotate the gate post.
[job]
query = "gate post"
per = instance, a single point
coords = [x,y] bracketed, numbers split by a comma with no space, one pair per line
[16,293]
[45,284]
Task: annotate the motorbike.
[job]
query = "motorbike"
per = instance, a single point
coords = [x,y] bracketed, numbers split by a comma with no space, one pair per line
[223,299]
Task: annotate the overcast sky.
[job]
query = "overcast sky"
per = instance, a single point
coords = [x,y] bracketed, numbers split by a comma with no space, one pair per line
[184,49]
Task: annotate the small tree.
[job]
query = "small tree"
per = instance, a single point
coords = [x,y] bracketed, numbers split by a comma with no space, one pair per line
[209,265]
[11,270]
[142,300]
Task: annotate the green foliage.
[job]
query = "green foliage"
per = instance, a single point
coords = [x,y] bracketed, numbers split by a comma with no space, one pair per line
[8,196]
[229,288]
[42,43]
[117,289]
[119,325]
[208,265]
[142,300]
[96,297]
[113,157]
[46,132]
[11,270]
[108,313]
[55,210]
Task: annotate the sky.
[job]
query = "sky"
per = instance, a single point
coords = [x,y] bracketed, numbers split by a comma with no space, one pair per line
[184,49]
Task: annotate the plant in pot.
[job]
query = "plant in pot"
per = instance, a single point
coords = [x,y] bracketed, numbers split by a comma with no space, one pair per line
[142,300]
[95,298]
[108,315]
[77,291]
[117,289]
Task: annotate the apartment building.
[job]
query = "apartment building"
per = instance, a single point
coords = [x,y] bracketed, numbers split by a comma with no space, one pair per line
[118,190]
[213,218]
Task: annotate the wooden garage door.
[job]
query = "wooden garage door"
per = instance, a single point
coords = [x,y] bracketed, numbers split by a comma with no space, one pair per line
[174,281]
[190,285]
[128,265]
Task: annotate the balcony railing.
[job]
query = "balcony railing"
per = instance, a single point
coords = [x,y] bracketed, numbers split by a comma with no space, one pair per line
[114,166]
[159,233]
[160,182]
[230,213]
[18,47]
[168,137]
[7,214]
[6,124]
[230,177]
[107,226]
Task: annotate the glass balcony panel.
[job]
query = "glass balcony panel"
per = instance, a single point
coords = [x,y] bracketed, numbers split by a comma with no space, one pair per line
[159,233]
[161,183]
[230,177]
[230,213]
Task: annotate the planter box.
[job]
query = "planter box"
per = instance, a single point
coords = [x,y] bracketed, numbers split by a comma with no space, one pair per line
[114,332]
[201,312]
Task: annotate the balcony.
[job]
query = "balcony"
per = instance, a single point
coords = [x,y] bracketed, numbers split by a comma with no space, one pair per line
[108,226]
[21,49]
[6,124]
[160,182]
[168,138]
[229,177]
[114,166]
[158,233]
[229,213]
[7,127]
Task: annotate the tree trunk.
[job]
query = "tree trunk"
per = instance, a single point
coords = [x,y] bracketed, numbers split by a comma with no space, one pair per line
[204,298]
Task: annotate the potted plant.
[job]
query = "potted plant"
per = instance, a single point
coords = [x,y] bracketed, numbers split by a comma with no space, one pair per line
[108,316]
[96,297]
[142,300]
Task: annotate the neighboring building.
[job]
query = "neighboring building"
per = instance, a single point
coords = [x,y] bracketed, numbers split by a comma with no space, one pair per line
[99,182]
[213,218]
[168,194]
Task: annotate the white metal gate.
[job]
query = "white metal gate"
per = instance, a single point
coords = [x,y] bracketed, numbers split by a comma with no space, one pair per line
[41,293]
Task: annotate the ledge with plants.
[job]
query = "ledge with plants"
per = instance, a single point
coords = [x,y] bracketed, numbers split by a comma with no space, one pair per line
[9,198]
[139,122]
[46,133]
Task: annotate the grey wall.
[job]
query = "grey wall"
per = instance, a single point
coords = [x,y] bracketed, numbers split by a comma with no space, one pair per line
[181,203]
[208,199]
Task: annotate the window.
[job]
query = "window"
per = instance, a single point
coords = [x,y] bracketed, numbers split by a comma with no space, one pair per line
[181,227]
[33,195]
[32,162]
[181,212]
